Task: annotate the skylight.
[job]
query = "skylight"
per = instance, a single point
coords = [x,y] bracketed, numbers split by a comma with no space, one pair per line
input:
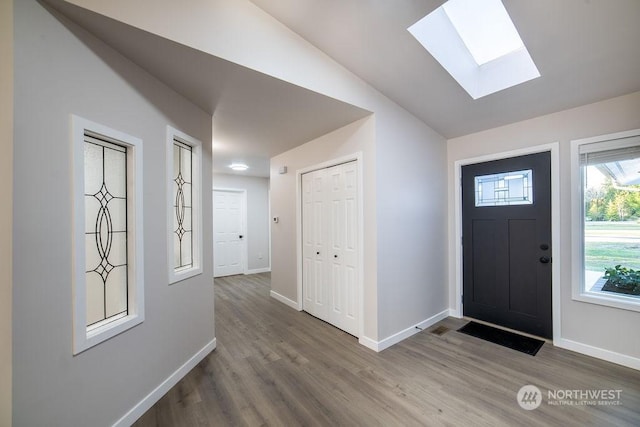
[485,28]
[478,44]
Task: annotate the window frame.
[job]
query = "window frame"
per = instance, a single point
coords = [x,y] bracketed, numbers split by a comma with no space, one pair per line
[84,337]
[579,293]
[176,275]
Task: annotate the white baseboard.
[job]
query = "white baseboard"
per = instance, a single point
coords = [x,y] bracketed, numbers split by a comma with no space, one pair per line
[455,313]
[369,343]
[258,270]
[404,334]
[599,353]
[143,406]
[291,303]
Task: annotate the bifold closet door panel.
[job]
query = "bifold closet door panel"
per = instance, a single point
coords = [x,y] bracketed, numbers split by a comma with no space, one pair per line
[314,244]
[343,256]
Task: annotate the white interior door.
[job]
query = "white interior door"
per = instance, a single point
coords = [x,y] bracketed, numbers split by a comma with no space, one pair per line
[330,245]
[228,233]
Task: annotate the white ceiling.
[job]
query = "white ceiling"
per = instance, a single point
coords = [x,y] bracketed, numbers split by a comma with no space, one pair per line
[586,50]
[255,116]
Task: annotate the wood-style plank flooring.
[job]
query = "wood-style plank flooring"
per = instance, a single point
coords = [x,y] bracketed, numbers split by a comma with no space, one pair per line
[274,366]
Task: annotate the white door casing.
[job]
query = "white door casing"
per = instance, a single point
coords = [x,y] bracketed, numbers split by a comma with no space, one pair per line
[228,232]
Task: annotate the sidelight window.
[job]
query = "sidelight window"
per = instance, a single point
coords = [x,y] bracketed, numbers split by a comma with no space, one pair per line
[184,205]
[108,270]
[606,209]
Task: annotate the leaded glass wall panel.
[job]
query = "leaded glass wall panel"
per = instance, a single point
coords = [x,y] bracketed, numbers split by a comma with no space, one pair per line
[105,197]
[183,205]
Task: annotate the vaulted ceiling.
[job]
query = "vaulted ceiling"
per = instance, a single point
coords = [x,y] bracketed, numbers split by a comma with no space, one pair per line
[586,51]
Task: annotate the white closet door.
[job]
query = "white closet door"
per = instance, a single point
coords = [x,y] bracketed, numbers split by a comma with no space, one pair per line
[344,247]
[330,245]
[314,244]
[227,233]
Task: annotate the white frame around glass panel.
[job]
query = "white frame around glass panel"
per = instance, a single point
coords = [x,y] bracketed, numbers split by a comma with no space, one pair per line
[507,189]
[175,272]
[85,337]
[593,145]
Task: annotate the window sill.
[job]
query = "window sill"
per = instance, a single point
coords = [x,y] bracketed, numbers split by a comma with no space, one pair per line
[176,276]
[97,335]
[607,299]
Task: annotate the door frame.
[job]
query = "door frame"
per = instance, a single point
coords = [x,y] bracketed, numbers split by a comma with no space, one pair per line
[357,157]
[554,149]
[243,220]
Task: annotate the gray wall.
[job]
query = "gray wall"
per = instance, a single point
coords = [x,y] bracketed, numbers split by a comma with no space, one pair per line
[404,196]
[350,139]
[414,223]
[590,328]
[59,70]
[257,216]
[6,208]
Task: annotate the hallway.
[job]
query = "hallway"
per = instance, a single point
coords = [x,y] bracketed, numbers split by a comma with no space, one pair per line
[275,366]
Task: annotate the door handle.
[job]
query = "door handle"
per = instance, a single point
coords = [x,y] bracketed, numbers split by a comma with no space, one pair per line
[545,260]
[241,236]
[335,256]
[318,253]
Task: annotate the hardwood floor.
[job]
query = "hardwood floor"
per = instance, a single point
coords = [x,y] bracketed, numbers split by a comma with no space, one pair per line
[278,367]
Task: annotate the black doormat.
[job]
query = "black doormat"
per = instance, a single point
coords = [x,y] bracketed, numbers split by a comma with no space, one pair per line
[503,338]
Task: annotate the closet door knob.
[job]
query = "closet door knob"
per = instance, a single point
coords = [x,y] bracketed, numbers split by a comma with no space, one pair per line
[335,256]
[318,253]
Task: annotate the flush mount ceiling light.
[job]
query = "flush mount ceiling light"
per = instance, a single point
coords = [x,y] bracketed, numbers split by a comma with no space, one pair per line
[239,166]
[478,44]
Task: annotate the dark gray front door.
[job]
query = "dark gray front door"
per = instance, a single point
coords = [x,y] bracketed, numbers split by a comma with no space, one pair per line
[506,228]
